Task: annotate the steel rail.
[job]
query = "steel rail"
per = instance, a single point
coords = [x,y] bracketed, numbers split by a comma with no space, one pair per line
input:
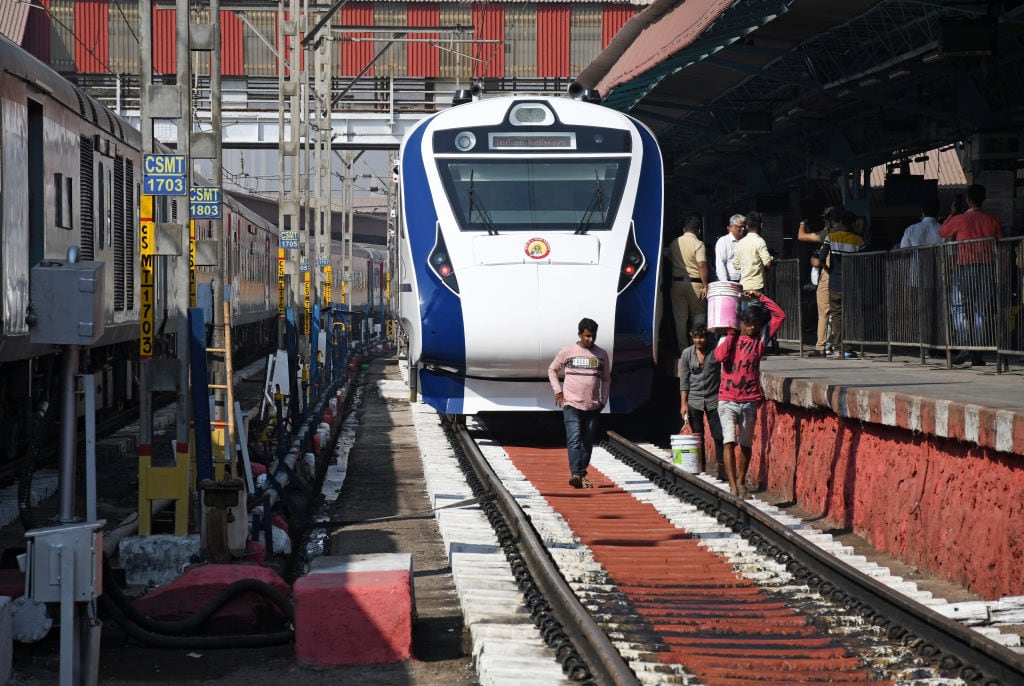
[587,636]
[931,635]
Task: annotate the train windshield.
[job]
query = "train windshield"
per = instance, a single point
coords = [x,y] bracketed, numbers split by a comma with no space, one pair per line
[499,195]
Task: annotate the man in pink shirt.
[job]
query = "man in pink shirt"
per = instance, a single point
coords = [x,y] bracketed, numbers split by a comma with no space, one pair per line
[974,278]
[582,394]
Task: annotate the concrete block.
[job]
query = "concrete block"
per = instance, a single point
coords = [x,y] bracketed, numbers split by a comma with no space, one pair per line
[457,547]
[354,610]
[372,562]
[156,560]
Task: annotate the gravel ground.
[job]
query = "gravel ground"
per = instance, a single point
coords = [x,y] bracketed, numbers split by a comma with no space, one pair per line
[383,509]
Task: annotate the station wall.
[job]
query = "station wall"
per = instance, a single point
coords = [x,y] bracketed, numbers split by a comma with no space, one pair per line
[951,507]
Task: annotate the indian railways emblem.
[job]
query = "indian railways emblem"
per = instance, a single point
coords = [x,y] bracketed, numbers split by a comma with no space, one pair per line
[537,248]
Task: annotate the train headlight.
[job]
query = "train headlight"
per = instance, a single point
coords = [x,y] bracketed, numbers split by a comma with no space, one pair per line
[465,141]
[633,262]
[441,264]
[530,114]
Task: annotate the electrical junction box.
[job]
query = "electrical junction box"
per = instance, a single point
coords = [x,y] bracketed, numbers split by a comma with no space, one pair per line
[67,302]
[69,556]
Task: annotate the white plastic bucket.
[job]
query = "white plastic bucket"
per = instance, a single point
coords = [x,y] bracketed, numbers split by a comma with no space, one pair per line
[724,305]
[686,449]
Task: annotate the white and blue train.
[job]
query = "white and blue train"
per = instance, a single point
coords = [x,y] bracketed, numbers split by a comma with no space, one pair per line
[520,216]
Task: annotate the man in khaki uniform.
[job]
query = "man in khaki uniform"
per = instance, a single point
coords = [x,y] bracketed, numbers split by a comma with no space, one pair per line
[832,217]
[689,291]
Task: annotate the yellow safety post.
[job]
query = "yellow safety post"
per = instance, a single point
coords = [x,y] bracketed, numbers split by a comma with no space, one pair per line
[164,483]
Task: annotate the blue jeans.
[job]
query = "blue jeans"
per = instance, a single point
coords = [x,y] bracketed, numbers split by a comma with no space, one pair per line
[581,427]
[714,424]
[972,303]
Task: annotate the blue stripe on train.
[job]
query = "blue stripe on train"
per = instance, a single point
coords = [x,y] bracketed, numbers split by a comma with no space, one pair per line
[634,313]
[442,327]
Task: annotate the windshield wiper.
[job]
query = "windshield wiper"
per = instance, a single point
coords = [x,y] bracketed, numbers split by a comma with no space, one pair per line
[485,216]
[596,205]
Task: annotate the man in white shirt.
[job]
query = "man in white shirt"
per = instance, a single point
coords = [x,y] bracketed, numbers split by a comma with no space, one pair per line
[923,275]
[926,231]
[726,247]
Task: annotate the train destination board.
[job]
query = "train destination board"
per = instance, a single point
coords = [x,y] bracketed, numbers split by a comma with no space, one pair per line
[533,141]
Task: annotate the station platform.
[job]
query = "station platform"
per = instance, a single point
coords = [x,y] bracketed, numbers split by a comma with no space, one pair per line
[976,405]
[923,462]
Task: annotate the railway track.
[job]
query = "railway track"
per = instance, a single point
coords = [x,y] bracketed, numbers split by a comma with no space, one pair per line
[657,576]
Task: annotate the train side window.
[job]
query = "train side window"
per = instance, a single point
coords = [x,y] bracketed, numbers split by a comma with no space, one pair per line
[62,186]
[108,217]
[69,194]
[87,195]
[58,210]
[101,193]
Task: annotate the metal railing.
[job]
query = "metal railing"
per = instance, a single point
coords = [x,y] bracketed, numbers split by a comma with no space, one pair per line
[370,94]
[962,297]
[782,284]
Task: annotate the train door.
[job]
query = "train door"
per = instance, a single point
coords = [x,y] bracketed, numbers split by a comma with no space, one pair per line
[36,185]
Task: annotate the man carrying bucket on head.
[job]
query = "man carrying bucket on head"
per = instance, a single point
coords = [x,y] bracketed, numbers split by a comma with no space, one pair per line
[699,376]
[740,393]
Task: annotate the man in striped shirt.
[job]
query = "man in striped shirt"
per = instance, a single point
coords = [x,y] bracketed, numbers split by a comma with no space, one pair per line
[840,241]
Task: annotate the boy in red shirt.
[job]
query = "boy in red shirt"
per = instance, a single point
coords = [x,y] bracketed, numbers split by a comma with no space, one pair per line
[739,393]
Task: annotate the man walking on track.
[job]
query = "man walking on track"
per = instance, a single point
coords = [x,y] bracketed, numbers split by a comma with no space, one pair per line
[582,395]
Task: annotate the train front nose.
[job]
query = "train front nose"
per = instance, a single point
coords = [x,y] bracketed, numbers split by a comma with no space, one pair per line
[518,316]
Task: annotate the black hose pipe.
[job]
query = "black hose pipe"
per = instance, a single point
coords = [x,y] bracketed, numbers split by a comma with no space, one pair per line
[205,642]
[169,633]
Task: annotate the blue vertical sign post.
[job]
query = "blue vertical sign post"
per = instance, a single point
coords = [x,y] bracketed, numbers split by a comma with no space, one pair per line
[290,240]
[204,202]
[164,174]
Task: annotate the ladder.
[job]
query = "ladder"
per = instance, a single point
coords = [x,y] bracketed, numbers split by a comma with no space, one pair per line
[225,463]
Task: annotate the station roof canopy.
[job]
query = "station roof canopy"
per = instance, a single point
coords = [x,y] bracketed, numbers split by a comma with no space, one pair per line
[758,95]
